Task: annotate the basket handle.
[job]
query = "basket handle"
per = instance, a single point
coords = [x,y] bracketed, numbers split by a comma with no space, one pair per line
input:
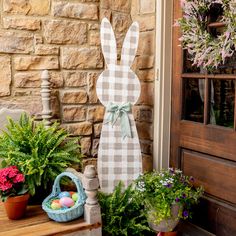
[56,186]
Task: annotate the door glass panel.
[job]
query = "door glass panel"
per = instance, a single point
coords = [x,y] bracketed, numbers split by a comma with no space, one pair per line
[193,99]
[222,102]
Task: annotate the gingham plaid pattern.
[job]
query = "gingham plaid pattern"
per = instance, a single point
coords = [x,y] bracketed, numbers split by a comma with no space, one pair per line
[109,42]
[118,159]
[130,45]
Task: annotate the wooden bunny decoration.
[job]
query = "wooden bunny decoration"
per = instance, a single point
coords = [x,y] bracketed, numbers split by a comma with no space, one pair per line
[118,88]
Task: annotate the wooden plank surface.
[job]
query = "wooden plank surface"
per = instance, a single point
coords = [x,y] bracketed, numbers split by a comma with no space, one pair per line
[37,223]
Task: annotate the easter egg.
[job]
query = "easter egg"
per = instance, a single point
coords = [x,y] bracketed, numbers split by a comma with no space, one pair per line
[55,205]
[75,197]
[64,194]
[66,202]
[56,201]
[71,193]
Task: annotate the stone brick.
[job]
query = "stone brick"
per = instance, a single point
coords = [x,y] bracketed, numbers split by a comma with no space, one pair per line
[94,151]
[147,163]
[93,26]
[92,79]
[146,23]
[146,146]
[74,113]
[31,104]
[83,128]
[106,4]
[145,130]
[81,58]
[65,32]
[78,97]
[55,106]
[5,75]
[147,6]
[97,130]
[36,62]
[29,7]
[146,75]
[43,49]
[21,23]
[96,113]
[85,145]
[142,113]
[121,6]
[105,13]
[75,78]
[38,39]
[14,42]
[147,94]
[94,38]
[56,79]
[146,43]
[121,22]
[27,80]
[75,10]
[32,79]
[145,62]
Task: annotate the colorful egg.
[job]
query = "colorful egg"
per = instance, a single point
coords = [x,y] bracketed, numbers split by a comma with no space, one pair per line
[55,205]
[71,193]
[64,194]
[66,202]
[75,196]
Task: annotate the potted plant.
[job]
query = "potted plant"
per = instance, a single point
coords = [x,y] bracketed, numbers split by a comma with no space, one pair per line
[13,191]
[168,196]
[123,213]
[40,153]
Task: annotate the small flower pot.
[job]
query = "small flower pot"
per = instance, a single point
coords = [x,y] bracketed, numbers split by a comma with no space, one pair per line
[16,206]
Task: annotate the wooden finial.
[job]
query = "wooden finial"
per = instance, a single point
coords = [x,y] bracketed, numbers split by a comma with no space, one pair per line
[45,94]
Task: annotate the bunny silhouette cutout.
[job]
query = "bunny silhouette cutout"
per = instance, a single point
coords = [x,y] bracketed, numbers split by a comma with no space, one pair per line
[119,155]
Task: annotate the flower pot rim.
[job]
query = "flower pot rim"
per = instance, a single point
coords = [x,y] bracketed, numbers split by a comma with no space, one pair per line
[18,198]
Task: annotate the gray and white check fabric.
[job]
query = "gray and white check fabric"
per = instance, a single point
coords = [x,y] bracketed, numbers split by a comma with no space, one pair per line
[118,159]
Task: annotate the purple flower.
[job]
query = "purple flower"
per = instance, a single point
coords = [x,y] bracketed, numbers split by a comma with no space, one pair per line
[177,199]
[169,185]
[185,214]
[184,195]
[191,179]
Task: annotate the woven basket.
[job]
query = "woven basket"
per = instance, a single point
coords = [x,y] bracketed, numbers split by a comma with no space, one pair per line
[64,215]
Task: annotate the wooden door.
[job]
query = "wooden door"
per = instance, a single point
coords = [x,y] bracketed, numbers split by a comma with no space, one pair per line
[203,135]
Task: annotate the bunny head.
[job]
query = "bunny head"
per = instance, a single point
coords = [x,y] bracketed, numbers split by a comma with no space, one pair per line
[118,83]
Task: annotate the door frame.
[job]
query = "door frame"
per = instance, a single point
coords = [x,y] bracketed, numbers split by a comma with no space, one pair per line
[163,75]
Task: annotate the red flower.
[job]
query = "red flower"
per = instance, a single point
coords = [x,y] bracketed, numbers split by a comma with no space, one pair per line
[6,186]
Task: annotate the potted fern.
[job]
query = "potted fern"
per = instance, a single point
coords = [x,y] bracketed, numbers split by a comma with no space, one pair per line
[40,153]
[168,196]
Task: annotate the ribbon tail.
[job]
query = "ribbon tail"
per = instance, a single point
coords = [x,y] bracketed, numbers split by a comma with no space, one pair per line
[125,126]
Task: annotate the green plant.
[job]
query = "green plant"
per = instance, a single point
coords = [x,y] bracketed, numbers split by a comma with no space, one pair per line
[123,213]
[40,153]
[12,183]
[160,190]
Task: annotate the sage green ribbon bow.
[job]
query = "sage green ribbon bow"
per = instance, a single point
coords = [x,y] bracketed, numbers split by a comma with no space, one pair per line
[120,111]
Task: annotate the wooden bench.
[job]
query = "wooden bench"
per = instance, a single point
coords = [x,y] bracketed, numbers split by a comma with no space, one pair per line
[37,223]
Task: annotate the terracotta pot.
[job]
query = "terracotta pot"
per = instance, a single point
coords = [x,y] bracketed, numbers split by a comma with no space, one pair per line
[16,206]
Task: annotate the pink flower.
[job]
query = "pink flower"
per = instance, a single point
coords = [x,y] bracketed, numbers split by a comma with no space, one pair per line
[6,186]
[19,178]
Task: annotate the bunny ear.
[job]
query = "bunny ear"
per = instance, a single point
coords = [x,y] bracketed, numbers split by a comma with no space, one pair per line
[130,45]
[108,42]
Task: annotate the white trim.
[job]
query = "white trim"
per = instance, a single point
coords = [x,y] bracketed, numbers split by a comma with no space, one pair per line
[162,104]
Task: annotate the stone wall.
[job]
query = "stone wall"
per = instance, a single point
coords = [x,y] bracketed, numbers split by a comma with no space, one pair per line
[63,37]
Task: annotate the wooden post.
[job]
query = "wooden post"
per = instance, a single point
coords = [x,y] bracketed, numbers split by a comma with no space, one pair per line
[45,94]
[92,211]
